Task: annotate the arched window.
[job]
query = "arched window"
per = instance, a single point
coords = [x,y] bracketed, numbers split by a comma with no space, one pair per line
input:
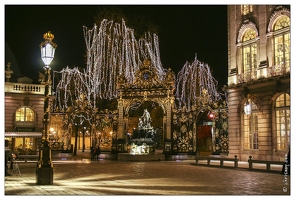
[282,113]
[282,41]
[24,114]
[249,51]
[250,128]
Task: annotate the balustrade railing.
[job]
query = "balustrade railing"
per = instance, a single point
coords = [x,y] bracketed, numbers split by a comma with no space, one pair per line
[277,70]
[24,88]
[247,77]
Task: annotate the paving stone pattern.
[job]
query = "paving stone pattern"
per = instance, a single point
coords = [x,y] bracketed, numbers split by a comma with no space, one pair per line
[108,177]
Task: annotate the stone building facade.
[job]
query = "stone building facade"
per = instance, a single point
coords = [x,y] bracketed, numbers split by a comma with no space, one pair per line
[259,81]
[24,107]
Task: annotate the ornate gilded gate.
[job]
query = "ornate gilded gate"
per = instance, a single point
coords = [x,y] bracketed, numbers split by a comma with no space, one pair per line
[185,127]
[146,87]
[179,126]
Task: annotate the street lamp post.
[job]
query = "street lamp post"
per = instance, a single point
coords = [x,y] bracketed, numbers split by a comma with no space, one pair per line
[44,170]
[84,131]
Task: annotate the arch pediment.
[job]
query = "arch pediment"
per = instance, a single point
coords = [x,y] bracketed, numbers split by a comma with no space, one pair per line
[146,77]
[275,16]
[244,28]
[147,84]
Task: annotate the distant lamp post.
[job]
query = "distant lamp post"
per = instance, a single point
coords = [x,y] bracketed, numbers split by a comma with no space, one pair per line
[84,132]
[44,171]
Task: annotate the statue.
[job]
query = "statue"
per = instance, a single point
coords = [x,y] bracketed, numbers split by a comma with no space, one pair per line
[145,138]
[8,72]
[140,124]
[145,121]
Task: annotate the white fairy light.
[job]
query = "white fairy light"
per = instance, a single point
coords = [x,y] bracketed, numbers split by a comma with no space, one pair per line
[111,49]
[191,80]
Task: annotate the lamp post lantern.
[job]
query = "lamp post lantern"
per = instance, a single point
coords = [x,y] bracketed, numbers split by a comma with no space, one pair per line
[247,108]
[44,170]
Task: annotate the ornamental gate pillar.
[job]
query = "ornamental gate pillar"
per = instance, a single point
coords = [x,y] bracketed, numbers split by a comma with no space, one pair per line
[120,131]
[119,142]
[168,127]
[168,123]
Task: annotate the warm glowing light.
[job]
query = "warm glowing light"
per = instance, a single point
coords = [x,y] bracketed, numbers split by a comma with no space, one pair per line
[211,115]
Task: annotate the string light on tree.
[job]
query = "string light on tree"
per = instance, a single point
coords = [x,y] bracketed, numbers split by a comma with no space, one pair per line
[112,50]
[193,79]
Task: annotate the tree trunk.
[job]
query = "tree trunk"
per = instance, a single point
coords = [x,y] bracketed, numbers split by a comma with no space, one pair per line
[76,137]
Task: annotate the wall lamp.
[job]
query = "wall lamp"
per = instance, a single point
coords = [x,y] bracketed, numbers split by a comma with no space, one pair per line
[252,101]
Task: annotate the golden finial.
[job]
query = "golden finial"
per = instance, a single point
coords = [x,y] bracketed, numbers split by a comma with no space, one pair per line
[48,36]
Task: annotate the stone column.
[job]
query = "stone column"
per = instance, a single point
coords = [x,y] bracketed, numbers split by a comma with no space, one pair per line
[270,50]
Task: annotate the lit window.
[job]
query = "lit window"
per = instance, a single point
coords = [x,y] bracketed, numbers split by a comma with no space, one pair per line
[282,22]
[282,107]
[282,42]
[25,114]
[249,51]
[246,9]
[251,129]
[249,35]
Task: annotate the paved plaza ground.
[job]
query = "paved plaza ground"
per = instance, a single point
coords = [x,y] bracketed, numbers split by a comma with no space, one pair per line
[109,177]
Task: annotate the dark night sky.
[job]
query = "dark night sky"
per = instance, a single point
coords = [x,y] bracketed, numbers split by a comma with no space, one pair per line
[184,30]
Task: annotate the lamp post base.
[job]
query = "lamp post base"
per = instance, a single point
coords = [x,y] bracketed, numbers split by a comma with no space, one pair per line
[44,171]
[44,176]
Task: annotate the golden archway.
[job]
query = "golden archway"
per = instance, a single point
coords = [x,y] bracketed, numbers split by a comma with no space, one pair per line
[146,87]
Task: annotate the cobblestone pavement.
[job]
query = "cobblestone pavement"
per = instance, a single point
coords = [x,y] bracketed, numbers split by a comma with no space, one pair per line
[106,177]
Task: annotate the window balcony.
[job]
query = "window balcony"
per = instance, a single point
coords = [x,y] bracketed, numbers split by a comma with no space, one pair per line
[277,70]
[247,77]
